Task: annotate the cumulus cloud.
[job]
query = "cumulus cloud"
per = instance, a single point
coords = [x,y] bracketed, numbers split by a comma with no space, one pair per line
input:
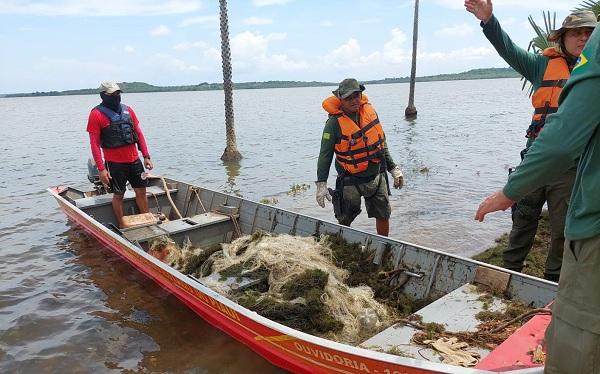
[210,19]
[393,50]
[269,2]
[455,30]
[349,55]
[184,46]
[170,62]
[99,8]
[161,30]
[128,49]
[468,53]
[255,21]
[250,50]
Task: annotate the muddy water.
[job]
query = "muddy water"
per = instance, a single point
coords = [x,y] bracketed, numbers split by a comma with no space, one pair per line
[70,305]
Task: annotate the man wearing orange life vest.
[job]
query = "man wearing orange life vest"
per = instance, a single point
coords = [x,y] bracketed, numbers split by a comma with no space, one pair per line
[548,73]
[354,134]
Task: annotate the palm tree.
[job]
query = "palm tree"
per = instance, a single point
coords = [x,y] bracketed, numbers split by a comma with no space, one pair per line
[231,152]
[411,110]
[594,6]
[540,41]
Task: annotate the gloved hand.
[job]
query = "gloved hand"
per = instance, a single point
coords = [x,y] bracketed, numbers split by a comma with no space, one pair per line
[322,193]
[398,178]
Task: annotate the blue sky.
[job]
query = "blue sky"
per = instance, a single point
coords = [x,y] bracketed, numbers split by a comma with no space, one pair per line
[70,44]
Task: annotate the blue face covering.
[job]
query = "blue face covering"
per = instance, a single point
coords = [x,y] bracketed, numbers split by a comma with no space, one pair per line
[111,102]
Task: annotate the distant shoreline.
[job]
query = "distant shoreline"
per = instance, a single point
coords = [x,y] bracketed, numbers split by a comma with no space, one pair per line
[139,87]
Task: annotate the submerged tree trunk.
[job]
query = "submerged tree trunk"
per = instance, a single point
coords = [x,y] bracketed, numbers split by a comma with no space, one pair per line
[411,110]
[231,152]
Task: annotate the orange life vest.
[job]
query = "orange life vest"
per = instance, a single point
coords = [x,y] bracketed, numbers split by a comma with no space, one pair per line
[545,98]
[361,143]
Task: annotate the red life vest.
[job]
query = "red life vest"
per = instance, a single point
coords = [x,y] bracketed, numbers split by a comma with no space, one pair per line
[545,98]
[361,143]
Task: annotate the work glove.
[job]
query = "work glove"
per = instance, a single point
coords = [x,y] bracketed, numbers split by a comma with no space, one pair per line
[398,178]
[322,193]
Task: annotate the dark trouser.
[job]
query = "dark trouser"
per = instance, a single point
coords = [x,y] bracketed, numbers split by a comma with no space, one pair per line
[573,336]
[525,219]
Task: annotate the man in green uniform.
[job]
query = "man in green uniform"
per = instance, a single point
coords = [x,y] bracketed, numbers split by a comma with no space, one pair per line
[547,73]
[571,136]
[354,134]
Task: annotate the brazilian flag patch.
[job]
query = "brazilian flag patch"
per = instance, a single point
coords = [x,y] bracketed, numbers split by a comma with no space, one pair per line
[326,135]
[582,60]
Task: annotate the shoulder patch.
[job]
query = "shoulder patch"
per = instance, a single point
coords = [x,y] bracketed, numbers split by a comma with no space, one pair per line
[582,60]
[326,136]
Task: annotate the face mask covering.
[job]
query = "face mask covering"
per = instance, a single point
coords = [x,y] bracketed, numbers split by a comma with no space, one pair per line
[111,102]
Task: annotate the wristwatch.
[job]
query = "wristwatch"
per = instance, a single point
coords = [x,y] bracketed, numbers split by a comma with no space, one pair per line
[147,157]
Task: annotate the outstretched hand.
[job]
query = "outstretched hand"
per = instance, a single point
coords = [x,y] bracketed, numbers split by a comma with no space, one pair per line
[482,9]
[493,203]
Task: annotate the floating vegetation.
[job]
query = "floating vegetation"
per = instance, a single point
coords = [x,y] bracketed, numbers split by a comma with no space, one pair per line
[535,261]
[296,189]
[269,201]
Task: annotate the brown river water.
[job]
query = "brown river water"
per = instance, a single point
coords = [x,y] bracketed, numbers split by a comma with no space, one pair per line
[68,304]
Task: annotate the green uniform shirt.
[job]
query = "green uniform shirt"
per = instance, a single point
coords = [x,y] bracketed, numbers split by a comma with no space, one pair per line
[530,65]
[332,135]
[570,133]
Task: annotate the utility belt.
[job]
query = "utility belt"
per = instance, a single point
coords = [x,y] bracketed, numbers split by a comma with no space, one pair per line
[337,195]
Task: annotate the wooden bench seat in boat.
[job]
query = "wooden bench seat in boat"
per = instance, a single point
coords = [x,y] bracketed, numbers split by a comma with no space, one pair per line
[455,311]
[201,229]
[105,199]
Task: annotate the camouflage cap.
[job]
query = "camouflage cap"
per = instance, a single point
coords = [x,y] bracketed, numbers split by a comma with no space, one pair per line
[347,87]
[579,18]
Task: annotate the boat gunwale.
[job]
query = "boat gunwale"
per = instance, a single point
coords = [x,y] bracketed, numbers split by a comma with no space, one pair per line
[273,325]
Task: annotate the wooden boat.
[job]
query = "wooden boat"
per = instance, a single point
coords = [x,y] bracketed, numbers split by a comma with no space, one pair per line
[210,217]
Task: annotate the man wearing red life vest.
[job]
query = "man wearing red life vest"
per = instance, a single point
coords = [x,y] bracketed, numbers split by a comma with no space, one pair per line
[547,73]
[115,133]
[355,136]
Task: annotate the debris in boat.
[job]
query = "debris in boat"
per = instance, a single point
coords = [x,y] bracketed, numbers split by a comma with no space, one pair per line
[454,352]
[537,355]
[305,288]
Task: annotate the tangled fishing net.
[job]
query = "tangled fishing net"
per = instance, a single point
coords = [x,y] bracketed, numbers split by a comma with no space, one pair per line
[304,289]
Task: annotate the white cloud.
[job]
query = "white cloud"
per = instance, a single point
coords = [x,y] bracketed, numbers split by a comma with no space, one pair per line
[455,30]
[393,50]
[214,18]
[269,2]
[161,30]
[349,55]
[250,51]
[254,21]
[171,62]
[99,8]
[128,49]
[184,46]
[326,23]
[468,53]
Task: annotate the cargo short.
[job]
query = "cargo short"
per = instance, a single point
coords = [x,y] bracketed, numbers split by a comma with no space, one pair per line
[375,194]
[123,172]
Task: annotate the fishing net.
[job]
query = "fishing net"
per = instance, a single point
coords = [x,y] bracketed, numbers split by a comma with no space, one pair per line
[289,261]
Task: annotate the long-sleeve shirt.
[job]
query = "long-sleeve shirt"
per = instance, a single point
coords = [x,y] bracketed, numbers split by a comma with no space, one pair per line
[127,153]
[328,142]
[569,134]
